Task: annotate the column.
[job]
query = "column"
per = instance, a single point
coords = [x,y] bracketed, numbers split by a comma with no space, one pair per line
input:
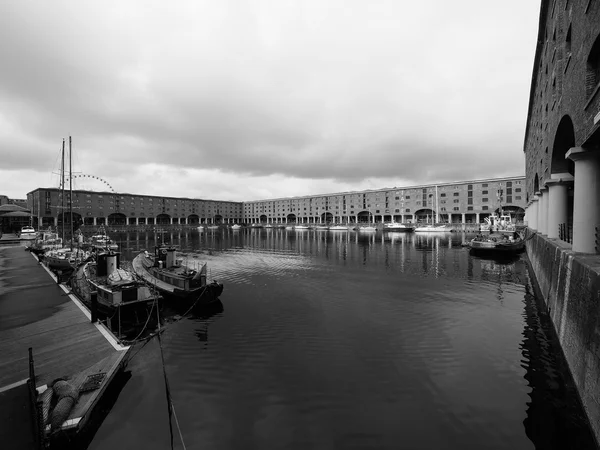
[543,211]
[586,198]
[95,221]
[463,218]
[557,205]
[477,218]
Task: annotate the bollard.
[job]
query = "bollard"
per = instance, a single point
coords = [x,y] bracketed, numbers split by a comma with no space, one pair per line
[94,300]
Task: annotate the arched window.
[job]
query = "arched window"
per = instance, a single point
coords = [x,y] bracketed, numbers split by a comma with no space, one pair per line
[592,78]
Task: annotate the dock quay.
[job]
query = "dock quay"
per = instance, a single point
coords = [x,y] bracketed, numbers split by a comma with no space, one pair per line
[45,334]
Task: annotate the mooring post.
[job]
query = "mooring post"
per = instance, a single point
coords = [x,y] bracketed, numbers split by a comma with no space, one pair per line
[94,301]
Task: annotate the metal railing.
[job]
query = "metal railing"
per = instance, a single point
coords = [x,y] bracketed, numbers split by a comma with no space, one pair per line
[565,232]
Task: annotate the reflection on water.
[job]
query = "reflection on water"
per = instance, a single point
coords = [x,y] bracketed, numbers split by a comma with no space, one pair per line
[350,340]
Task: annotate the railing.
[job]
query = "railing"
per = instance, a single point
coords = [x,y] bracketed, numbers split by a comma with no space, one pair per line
[565,232]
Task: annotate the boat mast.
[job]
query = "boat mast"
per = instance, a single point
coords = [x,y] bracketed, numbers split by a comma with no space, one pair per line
[62,190]
[71,191]
[437,216]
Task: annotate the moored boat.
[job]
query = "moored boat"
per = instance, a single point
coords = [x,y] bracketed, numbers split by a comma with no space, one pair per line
[395,226]
[432,229]
[174,278]
[49,240]
[366,228]
[117,290]
[236,226]
[497,243]
[338,228]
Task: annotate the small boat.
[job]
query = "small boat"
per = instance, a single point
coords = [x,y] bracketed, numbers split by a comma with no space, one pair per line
[101,241]
[64,259]
[495,223]
[395,226]
[268,225]
[174,278]
[27,233]
[497,243]
[301,227]
[432,229]
[213,227]
[236,226]
[256,225]
[49,240]
[367,228]
[117,289]
[322,227]
[338,228]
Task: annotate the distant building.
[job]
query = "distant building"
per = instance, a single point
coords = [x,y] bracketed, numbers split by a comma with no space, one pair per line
[95,208]
[562,137]
[458,202]
[13,214]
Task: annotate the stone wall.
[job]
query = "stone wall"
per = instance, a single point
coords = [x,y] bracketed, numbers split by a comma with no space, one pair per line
[570,285]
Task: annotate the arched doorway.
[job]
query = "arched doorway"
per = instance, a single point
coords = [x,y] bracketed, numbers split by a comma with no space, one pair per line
[291,218]
[263,218]
[562,169]
[193,219]
[326,217]
[117,219]
[364,217]
[163,219]
[425,215]
[218,219]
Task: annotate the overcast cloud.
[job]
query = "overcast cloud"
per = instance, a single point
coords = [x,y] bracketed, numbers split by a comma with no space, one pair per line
[244,100]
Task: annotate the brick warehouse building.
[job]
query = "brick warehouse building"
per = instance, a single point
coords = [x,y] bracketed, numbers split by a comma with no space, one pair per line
[562,136]
[109,208]
[459,202]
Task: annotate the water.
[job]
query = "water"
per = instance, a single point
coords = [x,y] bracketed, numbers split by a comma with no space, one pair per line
[350,341]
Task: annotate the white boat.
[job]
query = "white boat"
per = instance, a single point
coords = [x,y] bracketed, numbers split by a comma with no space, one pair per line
[236,226]
[338,228]
[301,227]
[322,227]
[502,223]
[27,233]
[368,228]
[432,229]
[395,226]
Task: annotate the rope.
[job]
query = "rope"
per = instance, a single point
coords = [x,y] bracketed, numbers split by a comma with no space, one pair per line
[178,429]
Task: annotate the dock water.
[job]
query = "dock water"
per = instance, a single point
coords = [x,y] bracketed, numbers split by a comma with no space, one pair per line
[38,313]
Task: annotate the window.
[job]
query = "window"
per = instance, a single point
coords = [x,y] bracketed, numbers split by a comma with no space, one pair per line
[456,194]
[457,201]
[469,208]
[469,201]
[518,197]
[484,192]
[442,195]
[517,189]
[396,210]
[407,210]
[592,78]
[407,197]
[484,200]
[484,208]
[484,185]
[456,208]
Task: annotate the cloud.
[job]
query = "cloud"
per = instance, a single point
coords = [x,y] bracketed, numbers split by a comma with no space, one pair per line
[333,91]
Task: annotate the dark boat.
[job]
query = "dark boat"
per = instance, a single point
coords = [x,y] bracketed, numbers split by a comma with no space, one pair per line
[503,242]
[118,291]
[174,278]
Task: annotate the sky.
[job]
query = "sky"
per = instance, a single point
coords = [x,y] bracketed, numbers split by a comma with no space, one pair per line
[254,99]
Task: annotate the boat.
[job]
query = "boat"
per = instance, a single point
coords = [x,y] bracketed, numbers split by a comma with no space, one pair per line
[174,278]
[236,226]
[432,229]
[338,228]
[322,227]
[64,259]
[502,223]
[101,241]
[213,227]
[49,240]
[268,225]
[367,228]
[395,226]
[256,225]
[301,227]
[497,243]
[117,290]
[27,233]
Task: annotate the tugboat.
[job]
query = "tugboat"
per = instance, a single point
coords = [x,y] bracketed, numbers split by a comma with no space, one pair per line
[503,243]
[174,279]
[119,293]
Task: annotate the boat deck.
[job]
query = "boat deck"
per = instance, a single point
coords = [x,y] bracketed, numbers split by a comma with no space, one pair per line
[38,313]
[140,269]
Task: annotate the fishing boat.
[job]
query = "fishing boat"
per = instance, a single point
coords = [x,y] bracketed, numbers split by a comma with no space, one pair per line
[395,226]
[174,278]
[497,243]
[117,290]
[27,233]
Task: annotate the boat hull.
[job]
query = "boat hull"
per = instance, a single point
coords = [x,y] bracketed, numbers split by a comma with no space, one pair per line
[501,247]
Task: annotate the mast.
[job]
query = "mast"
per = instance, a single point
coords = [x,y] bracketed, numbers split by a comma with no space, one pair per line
[437,214]
[62,190]
[71,191]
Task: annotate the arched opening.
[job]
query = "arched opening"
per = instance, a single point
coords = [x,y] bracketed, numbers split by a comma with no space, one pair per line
[193,219]
[291,218]
[163,219]
[117,219]
[592,78]
[536,184]
[516,212]
[563,141]
[364,217]
[263,218]
[425,215]
[218,219]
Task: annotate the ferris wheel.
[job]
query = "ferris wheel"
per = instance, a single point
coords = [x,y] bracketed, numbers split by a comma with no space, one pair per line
[86,182]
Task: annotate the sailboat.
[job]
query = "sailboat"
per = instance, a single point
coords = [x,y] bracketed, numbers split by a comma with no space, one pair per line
[429,228]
